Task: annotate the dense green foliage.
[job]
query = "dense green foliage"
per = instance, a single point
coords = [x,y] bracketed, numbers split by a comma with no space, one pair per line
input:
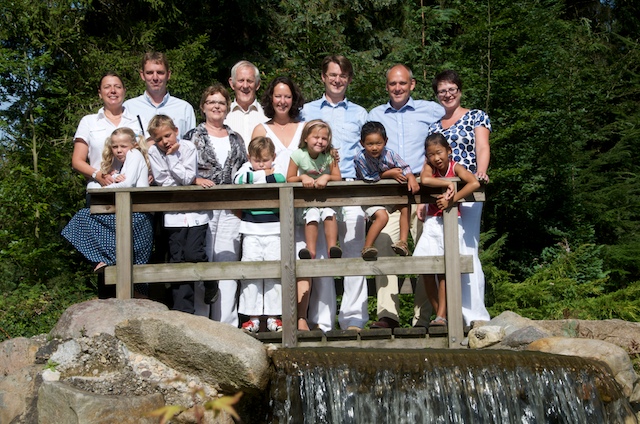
[560,81]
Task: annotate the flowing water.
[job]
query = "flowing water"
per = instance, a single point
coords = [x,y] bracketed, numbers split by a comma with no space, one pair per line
[437,386]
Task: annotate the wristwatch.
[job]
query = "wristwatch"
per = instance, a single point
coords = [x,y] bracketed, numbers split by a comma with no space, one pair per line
[93,176]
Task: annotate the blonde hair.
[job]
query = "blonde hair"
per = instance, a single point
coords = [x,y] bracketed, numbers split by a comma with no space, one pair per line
[311,126]
[158,122]
[137,142]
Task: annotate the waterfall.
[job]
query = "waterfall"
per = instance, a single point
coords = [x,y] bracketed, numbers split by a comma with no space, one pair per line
[352,386]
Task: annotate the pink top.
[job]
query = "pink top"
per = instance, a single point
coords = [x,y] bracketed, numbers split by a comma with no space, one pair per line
[432,209]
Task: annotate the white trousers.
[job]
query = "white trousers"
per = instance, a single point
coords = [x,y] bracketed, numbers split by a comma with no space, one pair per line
[260,297]
[223,245]
[387,285]
[473,308]
[353,308]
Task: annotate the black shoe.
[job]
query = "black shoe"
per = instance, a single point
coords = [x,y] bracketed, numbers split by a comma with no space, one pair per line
[385,323]
[211,292]
[304,254]
[335,252]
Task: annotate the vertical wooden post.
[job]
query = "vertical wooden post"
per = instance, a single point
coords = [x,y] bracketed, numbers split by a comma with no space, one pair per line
[452,276]
[124,243]
[288,268]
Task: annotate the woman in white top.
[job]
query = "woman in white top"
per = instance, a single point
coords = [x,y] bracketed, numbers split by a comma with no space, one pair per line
[282,103]
[94,129]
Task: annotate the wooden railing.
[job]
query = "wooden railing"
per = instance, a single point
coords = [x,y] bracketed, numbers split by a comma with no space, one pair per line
[124,201]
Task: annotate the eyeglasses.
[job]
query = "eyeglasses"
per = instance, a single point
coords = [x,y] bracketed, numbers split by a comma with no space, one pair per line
[450,91]
[215,102]
[334,77]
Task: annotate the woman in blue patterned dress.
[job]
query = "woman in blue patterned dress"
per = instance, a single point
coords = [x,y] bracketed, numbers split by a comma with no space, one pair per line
[94,235]
[467,131]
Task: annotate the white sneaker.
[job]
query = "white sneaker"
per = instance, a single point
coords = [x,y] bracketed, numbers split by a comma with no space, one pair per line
[251,326]
[274,324]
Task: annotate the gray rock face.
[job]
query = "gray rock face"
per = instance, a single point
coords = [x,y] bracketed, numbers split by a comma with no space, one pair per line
[101,316]
[512,322]
[17,394]
[198,346]
[90,356]
[17,353]
[522,337]
[615,357]
[60,403]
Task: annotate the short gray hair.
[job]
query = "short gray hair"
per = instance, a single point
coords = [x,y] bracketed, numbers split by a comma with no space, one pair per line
[242,64]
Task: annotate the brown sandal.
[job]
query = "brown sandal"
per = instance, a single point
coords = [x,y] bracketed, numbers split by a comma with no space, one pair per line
[401,248]
[369,252]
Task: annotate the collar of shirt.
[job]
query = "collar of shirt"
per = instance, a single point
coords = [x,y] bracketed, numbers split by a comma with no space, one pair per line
[125,114]
[325,102]
[407,106]
[380,159]
[255,106]
[164,101]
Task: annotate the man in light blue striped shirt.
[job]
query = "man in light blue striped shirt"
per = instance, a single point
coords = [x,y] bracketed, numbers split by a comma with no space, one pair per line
[346,119]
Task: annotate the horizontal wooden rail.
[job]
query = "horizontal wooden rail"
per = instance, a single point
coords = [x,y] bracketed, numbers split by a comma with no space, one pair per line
[340,193]
[173,273]
[124,201]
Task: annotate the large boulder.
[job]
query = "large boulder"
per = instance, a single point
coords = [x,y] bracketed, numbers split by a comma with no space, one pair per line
[216,353]
[101,316]
[621,333]
[61,403]
[614,356]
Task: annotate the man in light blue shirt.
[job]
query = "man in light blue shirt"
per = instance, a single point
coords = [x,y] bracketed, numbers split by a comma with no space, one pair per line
[156,100]
[346,119]
[406,121]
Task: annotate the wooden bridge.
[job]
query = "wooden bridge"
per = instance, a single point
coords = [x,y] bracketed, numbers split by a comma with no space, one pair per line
[124,201]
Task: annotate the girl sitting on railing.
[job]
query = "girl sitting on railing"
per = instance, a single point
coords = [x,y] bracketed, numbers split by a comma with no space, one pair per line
[314,166]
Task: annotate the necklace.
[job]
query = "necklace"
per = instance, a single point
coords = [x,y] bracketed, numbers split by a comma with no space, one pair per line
[282,127]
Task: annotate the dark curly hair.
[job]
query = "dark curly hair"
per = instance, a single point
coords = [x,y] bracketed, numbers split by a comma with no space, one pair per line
[296,103]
